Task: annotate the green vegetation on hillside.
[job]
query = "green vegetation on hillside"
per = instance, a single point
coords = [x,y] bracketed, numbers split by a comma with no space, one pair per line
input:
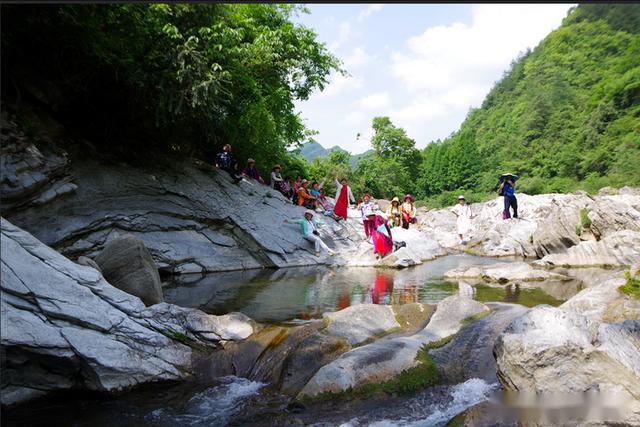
[174,80]
[564,116]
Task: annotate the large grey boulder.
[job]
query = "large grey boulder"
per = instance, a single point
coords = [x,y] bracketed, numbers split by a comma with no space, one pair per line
[127,264]
[384,359]
[362,322]
[551,350]
[63,326]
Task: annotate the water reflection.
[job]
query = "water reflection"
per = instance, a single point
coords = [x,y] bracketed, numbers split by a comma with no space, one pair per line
[306,293]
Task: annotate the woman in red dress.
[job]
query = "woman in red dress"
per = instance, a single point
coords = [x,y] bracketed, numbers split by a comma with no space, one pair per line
[381,236]
[343,194]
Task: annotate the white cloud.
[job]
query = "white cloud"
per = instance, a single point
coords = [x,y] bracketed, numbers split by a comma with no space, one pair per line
[375,101]
[339,84]
[449,68]
[366,12]
[356,118]
[345,34]
[357,58]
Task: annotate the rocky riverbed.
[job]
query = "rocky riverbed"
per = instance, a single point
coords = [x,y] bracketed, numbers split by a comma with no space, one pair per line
[70,326]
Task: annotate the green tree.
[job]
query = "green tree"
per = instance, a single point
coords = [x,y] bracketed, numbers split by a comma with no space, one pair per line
[140,79]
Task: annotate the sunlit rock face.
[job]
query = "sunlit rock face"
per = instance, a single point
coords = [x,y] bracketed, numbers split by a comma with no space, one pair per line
[384,359]
[550,227]
[65,327]
[559,351]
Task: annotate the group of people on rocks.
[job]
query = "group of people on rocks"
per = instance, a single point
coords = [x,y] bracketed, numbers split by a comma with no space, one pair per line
[377,227]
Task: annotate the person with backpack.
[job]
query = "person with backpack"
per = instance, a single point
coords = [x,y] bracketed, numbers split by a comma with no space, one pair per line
[226,162]
[309,227]
[508,190]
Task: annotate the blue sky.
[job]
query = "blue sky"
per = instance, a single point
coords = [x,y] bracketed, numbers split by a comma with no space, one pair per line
[423,65]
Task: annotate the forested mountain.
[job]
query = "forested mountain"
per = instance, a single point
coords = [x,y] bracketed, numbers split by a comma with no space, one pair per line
[564,116]
[312,150]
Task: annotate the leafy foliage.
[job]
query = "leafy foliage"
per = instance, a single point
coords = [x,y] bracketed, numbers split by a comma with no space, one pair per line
[564,116]
[178,78]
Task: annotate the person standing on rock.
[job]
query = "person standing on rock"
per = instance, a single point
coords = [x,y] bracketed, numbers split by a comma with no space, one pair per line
[393,213]
[366,208]
[408,212]
[508,190]
[381,236]
[343,195]
[464,214]
[226,162]
[309,227]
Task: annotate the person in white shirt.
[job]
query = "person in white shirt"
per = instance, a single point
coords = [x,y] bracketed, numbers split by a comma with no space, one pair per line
[367,208]
[464,214]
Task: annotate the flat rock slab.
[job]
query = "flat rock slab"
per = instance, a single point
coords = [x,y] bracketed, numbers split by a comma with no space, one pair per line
[362,322]
[504,273]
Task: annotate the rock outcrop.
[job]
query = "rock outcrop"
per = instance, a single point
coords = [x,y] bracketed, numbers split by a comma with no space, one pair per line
[551,350]
[550,225]
[384,359]
[127,265]
[65,327]
[504,273]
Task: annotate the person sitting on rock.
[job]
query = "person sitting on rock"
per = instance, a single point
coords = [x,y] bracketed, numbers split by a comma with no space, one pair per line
[285,188]
[304,198]
[276,178]
[463,212]
[408,211]
[315,189]
[226,162]
[325,204]
[252,172]
[309,226]
[393,213]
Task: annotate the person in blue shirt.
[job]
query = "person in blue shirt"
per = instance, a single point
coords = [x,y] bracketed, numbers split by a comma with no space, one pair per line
[508,190]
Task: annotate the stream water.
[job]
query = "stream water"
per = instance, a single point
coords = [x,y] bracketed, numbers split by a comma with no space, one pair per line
[294,296]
